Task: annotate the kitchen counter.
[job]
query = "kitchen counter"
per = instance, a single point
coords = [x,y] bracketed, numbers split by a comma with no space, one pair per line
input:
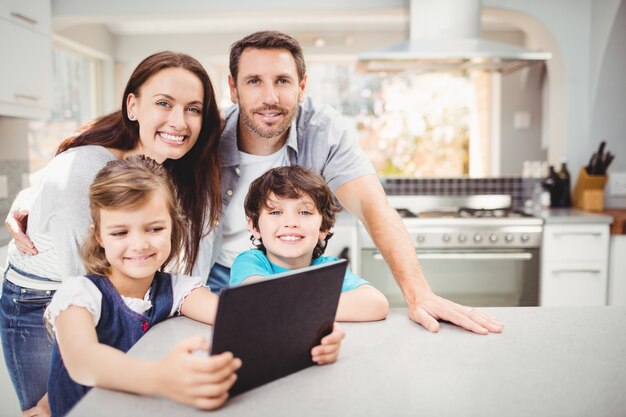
[572,215]
[548,362]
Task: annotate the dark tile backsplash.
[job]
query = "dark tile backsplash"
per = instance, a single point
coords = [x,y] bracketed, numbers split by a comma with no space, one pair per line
[518,188]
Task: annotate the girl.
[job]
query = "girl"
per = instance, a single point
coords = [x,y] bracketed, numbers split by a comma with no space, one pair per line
[290,211]
[137,231]
[169,113]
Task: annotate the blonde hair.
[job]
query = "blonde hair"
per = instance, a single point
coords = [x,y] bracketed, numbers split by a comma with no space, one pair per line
[129,183]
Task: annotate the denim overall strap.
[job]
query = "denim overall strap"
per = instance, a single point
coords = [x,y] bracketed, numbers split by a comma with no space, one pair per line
[119,327]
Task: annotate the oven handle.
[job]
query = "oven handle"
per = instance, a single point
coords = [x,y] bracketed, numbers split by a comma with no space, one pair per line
[471,256]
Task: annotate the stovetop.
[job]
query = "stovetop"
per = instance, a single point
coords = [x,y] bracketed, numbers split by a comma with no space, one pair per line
[463,213]
[481,221]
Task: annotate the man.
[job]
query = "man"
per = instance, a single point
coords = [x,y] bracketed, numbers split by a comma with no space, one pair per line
[274,125]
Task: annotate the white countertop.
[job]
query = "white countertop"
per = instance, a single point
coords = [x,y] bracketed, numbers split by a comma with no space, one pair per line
[571,215]
[548,362]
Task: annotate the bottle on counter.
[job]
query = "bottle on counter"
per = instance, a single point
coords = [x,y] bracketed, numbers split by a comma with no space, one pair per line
[565,195]
[551,185]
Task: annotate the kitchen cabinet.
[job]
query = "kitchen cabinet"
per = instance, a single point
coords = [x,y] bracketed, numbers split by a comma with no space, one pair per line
[617,271]
[31,14]
[344,242]
[574,265]
[26,48]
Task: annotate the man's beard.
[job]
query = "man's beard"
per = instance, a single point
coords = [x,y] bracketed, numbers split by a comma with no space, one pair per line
[263,131]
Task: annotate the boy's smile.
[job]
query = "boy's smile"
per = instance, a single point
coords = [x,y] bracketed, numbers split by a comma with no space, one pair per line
[290,229]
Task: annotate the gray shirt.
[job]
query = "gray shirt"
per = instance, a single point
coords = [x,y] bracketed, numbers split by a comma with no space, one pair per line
[59,217]
[319,139]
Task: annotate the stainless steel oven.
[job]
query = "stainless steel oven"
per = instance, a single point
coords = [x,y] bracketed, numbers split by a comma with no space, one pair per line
[474,251]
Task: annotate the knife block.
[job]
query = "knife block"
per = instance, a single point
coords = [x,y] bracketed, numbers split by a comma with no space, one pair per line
[589,191]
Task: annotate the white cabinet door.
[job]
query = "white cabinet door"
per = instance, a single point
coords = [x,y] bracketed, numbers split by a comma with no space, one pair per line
[26,79]
[344,237]
[576,242]
[574,265]
[574,284]
[30,14]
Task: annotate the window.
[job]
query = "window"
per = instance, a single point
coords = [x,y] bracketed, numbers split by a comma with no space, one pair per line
[74,103]
[429,125]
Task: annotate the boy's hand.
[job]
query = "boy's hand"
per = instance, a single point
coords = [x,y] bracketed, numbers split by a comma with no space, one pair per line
[202,382]
[328,350]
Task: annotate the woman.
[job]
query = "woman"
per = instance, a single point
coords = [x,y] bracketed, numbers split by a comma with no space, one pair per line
[169,113]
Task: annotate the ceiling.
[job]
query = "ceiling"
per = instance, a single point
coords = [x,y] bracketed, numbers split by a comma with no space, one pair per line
[376,19]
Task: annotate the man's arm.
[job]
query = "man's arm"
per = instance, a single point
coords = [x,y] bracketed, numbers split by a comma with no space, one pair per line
[365,198]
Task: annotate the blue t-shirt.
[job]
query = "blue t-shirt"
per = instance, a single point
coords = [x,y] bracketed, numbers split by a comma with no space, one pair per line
[254,262]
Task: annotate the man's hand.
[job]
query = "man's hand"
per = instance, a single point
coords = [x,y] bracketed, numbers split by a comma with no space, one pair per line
[432,308]
[16,223]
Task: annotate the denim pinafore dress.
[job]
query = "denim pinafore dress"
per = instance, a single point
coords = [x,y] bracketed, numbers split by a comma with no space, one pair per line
[119,327]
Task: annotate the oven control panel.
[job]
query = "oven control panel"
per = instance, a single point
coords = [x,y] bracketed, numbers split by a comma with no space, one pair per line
[527,238]
[465,236]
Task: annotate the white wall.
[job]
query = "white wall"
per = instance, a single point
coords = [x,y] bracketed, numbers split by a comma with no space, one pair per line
[608,93]
[590,36]
[587,89]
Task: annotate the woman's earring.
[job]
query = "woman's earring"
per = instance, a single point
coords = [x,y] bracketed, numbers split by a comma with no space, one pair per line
[131,117]
[256,241]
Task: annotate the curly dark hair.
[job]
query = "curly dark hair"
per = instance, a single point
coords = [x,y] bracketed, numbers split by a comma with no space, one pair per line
[292,182]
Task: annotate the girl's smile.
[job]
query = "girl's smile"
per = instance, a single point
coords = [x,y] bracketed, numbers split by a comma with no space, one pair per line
[136,242]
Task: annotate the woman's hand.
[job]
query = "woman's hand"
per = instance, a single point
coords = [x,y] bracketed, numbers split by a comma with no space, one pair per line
[15,223]
[42,409]
[328,350]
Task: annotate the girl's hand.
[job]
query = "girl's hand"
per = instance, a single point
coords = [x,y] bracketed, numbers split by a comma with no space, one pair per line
[328,350]
[202,382]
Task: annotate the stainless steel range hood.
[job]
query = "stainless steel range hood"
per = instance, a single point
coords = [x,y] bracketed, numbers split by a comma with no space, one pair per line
[445,36]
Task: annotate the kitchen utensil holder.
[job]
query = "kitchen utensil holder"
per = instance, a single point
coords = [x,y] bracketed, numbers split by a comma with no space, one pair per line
[589,191]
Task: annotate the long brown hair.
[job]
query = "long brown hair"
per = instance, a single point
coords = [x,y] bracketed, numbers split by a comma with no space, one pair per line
[196,175]
[292,182]
[126,184]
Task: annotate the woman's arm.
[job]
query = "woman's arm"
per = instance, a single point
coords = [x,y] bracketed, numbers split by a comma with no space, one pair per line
[364,303]
[202,382]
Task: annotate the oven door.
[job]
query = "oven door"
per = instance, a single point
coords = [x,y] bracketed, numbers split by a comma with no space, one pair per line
[477,277]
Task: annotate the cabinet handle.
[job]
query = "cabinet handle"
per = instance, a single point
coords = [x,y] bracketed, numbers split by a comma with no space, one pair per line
[27,97]
[24,18]
[576,271]
[469,256]
[559,234]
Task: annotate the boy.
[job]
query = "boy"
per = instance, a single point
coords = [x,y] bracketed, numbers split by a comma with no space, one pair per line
[290,212]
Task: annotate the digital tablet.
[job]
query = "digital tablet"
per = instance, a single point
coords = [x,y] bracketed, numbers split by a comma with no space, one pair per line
[273,324]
